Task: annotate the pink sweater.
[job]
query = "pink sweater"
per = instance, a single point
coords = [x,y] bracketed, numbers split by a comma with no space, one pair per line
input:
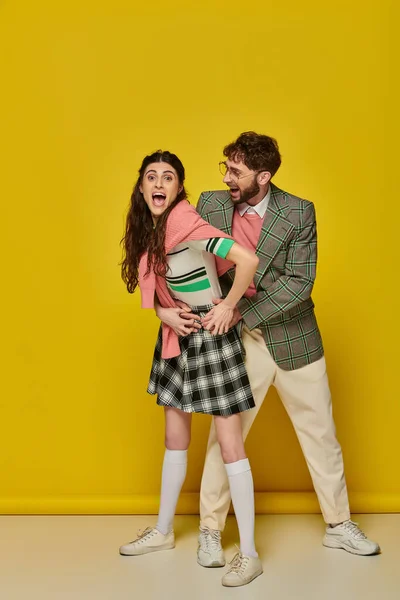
[246,231]
[183,224]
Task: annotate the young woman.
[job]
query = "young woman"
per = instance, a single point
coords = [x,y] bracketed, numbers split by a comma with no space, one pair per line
[168,253]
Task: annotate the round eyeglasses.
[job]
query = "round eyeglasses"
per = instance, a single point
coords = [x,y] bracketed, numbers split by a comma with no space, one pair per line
[224,169]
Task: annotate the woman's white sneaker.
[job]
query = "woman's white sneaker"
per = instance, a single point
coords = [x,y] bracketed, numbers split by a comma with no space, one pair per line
[351,538]
[209,551]
[150,540]
[243,569]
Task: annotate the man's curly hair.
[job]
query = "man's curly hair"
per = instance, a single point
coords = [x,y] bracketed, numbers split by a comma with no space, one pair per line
[258,152]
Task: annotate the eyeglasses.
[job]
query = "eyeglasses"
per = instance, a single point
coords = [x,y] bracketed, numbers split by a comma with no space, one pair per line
[224,169]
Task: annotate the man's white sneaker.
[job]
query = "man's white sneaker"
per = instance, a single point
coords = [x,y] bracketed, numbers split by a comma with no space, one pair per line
[149,540]
[209,551]
[242,570]
[349,537]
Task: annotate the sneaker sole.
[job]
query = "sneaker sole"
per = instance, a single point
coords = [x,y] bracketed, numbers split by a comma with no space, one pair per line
[335,544]
[146,551]
[257,574]
[213,565]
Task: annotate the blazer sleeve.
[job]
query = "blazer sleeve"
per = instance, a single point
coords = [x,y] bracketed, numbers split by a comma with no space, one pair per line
[200,205]
[295,285]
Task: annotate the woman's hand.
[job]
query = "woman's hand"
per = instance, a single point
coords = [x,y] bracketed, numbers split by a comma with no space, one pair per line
[207,318]
[219,319]
[180,319]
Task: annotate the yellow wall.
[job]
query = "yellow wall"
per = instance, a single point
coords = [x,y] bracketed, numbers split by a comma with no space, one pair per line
[88,89]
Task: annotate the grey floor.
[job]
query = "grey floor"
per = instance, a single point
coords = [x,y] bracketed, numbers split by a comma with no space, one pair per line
[76,558]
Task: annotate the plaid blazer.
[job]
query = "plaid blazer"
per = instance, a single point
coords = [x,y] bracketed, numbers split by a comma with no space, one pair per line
[287,248]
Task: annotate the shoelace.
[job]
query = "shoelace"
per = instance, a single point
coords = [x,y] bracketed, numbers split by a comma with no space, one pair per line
[142,534]
[354,530]
[238,563]
[212,538]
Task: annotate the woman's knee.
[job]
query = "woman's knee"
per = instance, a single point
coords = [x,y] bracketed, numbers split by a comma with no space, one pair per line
[177,429]
[177,440]
[232,452]
[176,443]
[230,438]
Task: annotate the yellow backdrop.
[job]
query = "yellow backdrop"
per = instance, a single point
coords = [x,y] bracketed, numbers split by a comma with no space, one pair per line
[88,89]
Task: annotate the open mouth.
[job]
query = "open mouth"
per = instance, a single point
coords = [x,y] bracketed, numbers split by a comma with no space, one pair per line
[234,191]
[159,199]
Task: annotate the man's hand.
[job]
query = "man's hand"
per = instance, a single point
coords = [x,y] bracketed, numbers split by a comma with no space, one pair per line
[209,317]
[180,319]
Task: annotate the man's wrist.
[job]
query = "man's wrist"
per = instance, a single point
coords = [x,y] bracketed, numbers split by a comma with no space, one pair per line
[159,311]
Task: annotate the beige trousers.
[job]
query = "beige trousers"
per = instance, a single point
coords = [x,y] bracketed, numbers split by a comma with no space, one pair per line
[306,397]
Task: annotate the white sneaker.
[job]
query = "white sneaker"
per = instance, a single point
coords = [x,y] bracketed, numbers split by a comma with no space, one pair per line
[243,569]
[209,551]
[349,537]
[150,540]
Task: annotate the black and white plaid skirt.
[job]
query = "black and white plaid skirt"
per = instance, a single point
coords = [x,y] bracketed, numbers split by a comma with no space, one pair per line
[209,376]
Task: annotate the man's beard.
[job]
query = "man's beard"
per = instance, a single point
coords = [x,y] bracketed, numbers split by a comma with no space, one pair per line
[248,193]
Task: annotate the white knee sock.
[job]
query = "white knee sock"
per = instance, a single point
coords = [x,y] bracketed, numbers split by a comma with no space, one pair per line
[173,476]
[242,493]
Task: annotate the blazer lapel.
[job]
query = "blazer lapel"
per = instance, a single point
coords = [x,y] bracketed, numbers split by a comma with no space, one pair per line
[275,229]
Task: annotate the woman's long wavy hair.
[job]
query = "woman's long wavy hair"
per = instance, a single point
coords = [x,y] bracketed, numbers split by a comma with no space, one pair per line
[140,233]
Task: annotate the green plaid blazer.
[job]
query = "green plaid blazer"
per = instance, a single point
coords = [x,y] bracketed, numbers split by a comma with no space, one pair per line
[287,248]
